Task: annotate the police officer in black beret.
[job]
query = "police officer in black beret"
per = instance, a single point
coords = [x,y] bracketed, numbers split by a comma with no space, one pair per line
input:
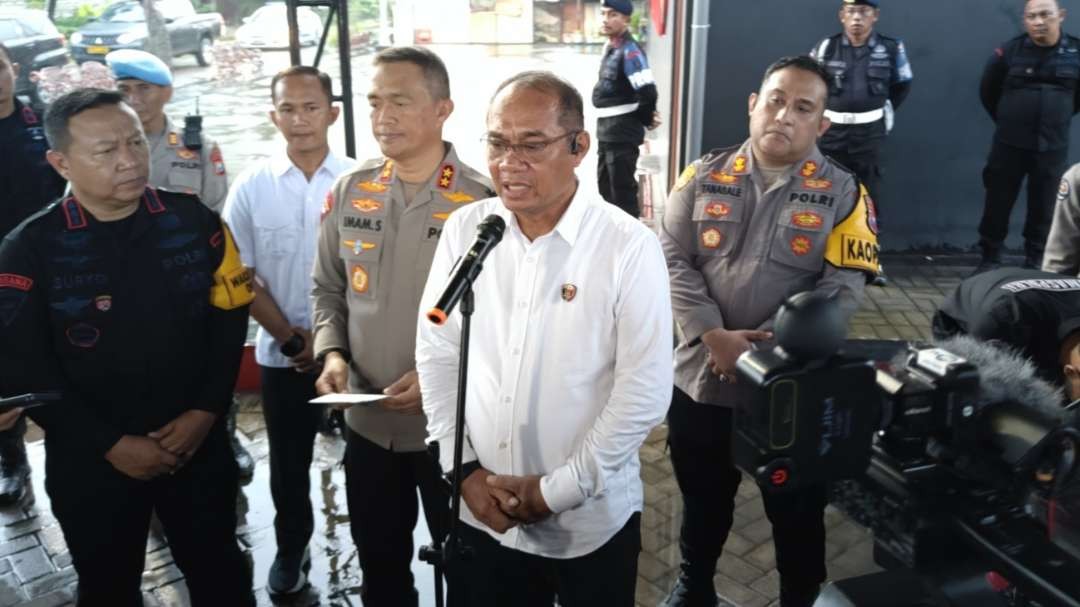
[1029,88]
[28,184]
[870,78]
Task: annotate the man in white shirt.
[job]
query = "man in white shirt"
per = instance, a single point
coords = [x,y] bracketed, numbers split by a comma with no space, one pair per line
[274,209]
[571,349]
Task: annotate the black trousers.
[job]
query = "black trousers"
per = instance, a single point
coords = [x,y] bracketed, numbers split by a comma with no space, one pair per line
[105,517]
[616,165]
[381,489]
[497,576]
[700,439]
[291,424]
[867,166]
[1004,173]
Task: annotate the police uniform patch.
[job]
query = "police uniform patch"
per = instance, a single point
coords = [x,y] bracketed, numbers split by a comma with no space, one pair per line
[103,303]
[185,153]
[569,291]
[232,283]
[357,246]
[217,161]
[806,219]
[871,214]
[174,140]
[366,205]
[808,168]
[83,335]
[446,177]
[387,174]
[817,184]
[372,187]
[711,238]
[359,279]
[852,243]
[738,167]
[1064,189]
[686,177]
[457,197]
[16,281]
[216,238]
[722,177]
[327,206]
[718,209]
[801,245]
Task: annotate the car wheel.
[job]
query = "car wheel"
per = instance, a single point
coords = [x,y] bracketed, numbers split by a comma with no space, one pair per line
[205,54]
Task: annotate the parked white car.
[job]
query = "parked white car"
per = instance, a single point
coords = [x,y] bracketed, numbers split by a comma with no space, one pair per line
[268,27]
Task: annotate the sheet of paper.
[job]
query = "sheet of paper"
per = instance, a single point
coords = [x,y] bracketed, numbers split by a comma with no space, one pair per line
[347,399]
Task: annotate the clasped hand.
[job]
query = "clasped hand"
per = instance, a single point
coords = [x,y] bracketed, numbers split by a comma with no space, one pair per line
[163,451]
[503,501]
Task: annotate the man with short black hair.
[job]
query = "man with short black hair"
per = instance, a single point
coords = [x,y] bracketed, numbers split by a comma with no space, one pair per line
[569,368]
[1031,89]
[28,183]
[273,209]
[745,228]
[625,101]
[381,223]
[132,303]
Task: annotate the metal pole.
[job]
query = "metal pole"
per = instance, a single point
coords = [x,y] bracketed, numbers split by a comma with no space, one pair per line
[695,88]
[344,51]
[294,32]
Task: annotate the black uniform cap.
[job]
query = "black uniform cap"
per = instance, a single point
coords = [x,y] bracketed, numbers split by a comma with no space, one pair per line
[872,3]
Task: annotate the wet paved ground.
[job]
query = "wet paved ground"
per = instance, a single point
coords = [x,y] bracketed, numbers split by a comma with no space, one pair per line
[35,565]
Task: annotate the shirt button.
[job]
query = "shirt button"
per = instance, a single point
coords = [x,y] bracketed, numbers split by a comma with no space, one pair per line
[502,445]
[506,399]
[517,351]
[530,259]
[1030,70]
[523,304]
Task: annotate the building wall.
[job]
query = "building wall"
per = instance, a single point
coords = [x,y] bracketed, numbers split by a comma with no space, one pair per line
[932,193]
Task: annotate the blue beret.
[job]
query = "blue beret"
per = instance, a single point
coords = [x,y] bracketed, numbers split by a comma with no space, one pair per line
[623,6]
[873,3]
[128,64]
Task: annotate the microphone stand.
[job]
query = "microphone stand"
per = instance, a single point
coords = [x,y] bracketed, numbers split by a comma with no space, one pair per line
[439,554]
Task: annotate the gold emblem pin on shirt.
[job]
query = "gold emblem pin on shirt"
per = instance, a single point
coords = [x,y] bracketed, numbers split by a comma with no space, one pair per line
[569,291]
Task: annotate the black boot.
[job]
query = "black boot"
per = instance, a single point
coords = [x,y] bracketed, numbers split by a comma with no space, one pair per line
[798,597]
[694,589]
[244,462]
[14,467]
[1033,257]
[991,258]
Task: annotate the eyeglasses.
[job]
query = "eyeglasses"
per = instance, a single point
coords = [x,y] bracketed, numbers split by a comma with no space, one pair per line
[529,151]
[1043,15]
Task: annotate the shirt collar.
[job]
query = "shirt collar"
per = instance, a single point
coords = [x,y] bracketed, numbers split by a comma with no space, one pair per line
[281,164]
[568,226]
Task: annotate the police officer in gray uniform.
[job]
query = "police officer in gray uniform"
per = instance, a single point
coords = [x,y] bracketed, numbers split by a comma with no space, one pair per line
[377,241]
[191,166]
[745,228]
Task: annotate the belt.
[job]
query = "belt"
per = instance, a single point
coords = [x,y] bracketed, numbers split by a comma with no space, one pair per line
[616,110]
[855,117]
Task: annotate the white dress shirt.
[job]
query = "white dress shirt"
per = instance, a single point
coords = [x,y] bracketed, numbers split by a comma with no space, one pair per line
[273,212]
[570,365]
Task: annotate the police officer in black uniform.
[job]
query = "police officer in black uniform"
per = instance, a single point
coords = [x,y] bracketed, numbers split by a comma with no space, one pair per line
[1033,311]
[1029,88]
[870,77]
[625,101]
[28,184]
[131,302]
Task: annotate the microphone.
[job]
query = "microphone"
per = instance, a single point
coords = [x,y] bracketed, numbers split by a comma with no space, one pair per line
[488,234]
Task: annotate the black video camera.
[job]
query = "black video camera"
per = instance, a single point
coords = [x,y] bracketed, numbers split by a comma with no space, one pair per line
[960,460]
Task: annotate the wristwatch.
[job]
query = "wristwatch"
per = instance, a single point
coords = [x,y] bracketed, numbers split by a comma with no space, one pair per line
[467,469]
[293,346]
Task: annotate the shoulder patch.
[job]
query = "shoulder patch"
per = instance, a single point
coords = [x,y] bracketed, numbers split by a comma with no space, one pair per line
[686,177]
[217,161]
[853,243]
[327,206]
[232,286]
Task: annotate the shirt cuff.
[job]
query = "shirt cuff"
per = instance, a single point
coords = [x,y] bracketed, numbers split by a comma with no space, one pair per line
[700,322]
[446,454]
[325,340]
[560,490]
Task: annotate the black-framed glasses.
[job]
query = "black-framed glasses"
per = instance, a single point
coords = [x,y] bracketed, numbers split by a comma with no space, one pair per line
[529,151]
